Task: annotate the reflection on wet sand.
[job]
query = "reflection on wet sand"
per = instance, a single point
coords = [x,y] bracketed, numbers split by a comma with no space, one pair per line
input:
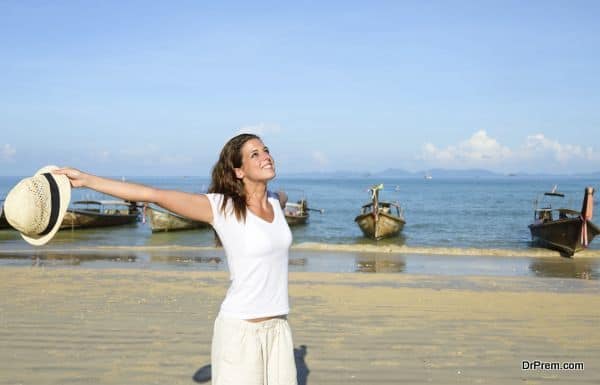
[206,260]
[396,241]
[565,268]
[213,259]
[297,261]
[179,259]
[380,263]
[77,259]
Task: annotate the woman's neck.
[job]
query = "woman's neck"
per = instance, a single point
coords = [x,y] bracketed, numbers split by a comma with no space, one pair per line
[256,194]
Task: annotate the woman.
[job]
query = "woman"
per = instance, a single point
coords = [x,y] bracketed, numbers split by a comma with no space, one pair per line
[252,341]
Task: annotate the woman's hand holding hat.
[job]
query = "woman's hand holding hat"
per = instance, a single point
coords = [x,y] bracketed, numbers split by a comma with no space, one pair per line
[76,177]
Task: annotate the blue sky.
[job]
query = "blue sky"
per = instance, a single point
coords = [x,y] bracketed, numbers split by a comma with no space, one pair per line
[156,88]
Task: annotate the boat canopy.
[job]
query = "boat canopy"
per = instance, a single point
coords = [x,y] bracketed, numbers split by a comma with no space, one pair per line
[103,203]
[554,194]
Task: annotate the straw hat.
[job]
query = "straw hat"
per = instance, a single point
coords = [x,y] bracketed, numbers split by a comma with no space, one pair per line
[37,205]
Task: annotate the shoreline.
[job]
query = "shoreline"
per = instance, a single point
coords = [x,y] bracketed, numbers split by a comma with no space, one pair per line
[118,326]
[533,252]
[335,259]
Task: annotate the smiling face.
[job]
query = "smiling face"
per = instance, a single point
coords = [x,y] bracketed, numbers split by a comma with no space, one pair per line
[257,163]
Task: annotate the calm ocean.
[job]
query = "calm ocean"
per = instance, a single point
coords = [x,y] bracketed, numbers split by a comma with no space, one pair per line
[440,213]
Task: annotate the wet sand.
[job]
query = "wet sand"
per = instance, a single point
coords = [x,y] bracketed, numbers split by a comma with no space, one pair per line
[120,326]
[355,258]
[529,252]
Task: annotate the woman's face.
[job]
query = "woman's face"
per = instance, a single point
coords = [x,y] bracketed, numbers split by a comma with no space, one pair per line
[257,163]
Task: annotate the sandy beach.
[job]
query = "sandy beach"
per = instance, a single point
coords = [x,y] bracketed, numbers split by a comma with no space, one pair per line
[120,326]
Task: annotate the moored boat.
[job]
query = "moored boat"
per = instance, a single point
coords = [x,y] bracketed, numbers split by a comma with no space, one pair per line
[379,220]
[99,213]
[296,213]
[563,229]
[162,220]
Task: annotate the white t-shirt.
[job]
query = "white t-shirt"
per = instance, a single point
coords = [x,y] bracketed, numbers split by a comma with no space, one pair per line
[257,257]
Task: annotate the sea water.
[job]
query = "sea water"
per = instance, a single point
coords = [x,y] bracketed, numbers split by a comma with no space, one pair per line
[458,213]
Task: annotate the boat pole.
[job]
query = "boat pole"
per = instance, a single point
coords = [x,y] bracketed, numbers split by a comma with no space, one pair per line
[587,211]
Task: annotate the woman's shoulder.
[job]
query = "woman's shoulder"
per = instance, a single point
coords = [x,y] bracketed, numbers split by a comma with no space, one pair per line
[222,206]
[279,197]
[217,199]
[214,197]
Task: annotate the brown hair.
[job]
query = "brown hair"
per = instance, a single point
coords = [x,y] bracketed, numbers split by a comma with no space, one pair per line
[224,180]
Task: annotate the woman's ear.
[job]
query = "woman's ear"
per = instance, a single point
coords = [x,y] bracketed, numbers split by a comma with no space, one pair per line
[238,173]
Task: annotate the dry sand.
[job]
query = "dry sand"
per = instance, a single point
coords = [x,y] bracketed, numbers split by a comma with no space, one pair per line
[78,326]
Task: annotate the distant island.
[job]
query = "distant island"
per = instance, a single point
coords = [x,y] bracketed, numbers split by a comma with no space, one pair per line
[433,173]
[430,174]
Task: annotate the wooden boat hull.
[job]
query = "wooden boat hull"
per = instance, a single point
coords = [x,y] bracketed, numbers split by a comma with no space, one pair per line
[563,235]
[295,220]
[162,221]
[385,225]
[296,213]
[77,219]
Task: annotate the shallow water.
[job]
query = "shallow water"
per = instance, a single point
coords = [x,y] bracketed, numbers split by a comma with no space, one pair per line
[444,217]
[213,259]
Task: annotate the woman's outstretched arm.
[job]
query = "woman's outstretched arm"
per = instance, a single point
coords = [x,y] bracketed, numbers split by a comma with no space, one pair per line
[193,206]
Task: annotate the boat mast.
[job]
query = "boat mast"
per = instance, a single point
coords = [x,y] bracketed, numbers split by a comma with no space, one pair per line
[587,208]
[587,211]
[375,190]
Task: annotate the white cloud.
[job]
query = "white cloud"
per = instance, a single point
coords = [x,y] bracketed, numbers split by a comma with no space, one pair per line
[536,153]
[260,129]
[7,153]
[539,146]
[478,149]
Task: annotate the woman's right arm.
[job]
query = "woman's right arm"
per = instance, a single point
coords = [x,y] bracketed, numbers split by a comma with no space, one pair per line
[189,205]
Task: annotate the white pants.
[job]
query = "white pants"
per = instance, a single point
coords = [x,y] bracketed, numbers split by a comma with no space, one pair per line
[252,353]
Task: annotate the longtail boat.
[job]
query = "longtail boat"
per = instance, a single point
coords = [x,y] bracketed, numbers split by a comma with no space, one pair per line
[563,229]
[296,213]
[162,220]
[379,220]
[99,213]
